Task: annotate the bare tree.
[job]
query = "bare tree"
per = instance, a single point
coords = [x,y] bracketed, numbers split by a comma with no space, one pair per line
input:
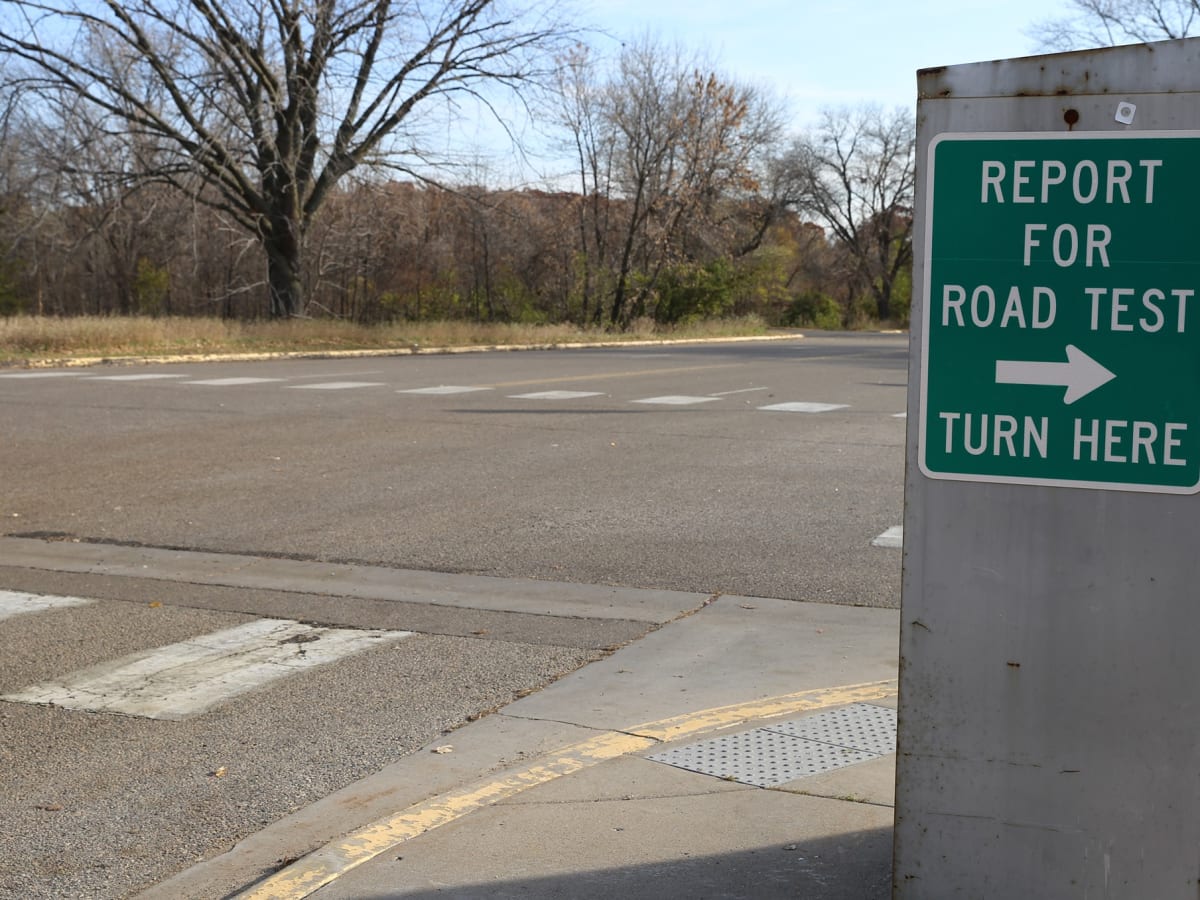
[589,143]
[18,219]
[270,103]
[1093,23]
[856,175]
[662,145]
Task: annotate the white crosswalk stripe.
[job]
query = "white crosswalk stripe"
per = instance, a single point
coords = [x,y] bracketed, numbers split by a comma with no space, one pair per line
[793,406]
[183,679]
[444,389]
[142,377]
[231,382]
[16,603]
[556,395]
[335,385]
[803,407]
[676,400]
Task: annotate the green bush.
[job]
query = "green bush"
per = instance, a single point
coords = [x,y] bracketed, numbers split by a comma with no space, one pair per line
[689,292]
[814,309]
[902,298]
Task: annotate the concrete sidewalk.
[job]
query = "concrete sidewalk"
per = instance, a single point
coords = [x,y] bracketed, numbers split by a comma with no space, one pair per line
[677,767]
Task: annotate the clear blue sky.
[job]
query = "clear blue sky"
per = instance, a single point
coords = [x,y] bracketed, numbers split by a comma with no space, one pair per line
[819,53]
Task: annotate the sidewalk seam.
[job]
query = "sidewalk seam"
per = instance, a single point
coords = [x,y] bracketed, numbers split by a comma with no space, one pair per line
[597,731]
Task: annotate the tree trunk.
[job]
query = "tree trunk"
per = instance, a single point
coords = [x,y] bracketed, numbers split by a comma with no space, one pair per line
[883,302]
[284,281]
[618,317]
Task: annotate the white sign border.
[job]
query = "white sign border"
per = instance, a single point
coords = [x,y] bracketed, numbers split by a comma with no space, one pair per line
[926,292]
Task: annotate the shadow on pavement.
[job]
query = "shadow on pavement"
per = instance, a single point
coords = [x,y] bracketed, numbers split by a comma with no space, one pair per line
[846,867]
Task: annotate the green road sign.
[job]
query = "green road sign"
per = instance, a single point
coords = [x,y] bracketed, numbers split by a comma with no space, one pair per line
[1061,341]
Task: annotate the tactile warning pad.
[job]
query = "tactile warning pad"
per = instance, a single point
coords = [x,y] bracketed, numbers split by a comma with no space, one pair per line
[785,751]
[862,726]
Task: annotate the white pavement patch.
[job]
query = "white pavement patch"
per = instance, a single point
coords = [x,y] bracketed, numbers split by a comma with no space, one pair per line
[556,395]
[146,376]
[893,538]
[14,603]
[232,382]
[803,407]
[676,400]
[443,389]
[335,385]
[183,679]
[902,415]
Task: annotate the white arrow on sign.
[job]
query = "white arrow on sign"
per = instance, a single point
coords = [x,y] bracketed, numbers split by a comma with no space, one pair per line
[1080,374]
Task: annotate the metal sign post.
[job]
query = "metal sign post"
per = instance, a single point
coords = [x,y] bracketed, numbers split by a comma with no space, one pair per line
[1049,722]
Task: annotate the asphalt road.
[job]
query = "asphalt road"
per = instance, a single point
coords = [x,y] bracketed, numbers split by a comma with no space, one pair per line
[566,504]
[715,495]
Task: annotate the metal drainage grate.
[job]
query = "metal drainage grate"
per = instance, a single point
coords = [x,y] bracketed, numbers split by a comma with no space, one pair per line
[862,726]
[766,757]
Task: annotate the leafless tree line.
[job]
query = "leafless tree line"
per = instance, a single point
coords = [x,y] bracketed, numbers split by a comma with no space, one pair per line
[240,159]
[1099,23]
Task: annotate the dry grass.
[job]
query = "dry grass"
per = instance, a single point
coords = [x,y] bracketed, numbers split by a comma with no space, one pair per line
[29,340]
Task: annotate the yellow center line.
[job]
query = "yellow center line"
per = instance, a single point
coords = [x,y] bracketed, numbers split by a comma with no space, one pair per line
[605,375]
[323,866]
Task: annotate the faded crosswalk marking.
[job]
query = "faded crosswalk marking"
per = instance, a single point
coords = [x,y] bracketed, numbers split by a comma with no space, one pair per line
[555,395]
[444,389]
[188,677]
[16,603]
[803,407]
[230,382]
[145,376]
[335,385]
[676,400]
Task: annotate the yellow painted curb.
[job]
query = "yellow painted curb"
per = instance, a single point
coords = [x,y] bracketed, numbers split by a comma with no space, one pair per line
[323,866]
[692,724]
